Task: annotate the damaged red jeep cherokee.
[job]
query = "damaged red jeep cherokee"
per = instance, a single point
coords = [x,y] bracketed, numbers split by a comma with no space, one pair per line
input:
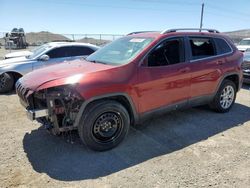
[131,79]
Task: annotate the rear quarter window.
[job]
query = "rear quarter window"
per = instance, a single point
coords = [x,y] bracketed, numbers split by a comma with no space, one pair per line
[80,51]
[222,46]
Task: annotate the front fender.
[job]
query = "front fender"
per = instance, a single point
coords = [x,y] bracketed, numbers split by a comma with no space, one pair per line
[19,68]
[106,96]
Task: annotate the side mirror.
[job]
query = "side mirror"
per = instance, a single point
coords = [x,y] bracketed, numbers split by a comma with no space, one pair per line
[44,58]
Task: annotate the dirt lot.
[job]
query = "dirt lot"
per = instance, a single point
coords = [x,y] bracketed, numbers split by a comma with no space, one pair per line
[3,52]
[189,148]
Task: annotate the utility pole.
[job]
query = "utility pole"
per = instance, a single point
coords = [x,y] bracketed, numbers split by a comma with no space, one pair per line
[202,11]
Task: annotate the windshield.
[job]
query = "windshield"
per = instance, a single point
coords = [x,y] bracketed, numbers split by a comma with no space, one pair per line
[37,51]
[246,56]
[121,51]
[244,42]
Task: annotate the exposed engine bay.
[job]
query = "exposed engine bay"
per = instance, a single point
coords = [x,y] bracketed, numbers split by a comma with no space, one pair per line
[55,108]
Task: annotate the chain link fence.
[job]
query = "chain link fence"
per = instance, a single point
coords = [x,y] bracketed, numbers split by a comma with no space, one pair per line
[38,38]
[34,39]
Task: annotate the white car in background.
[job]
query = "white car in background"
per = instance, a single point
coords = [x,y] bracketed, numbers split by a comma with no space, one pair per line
[48,54]
[246,67]
[244,44]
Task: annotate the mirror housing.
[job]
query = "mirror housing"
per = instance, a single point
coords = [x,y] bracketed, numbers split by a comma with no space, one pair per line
[44,57]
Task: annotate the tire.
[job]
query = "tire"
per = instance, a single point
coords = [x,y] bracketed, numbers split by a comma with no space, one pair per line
[229,98]
[104,125]
[6,82]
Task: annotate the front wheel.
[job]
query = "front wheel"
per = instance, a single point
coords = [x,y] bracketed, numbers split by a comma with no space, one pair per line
[225,97]
[104,125]
[6,82]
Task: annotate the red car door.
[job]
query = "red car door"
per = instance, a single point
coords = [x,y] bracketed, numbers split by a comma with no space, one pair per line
[164,76]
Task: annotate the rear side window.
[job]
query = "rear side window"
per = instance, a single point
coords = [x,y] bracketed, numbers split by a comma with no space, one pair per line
[222,46]
[201,47]
[80,51]
[59,52]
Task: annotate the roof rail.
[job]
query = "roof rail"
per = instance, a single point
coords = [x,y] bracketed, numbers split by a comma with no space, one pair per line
[137,32]
[189,29]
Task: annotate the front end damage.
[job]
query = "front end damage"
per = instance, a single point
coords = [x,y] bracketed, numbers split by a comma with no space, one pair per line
[56,108]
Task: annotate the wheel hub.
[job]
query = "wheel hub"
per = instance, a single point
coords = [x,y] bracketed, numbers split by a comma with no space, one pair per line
[227,97]
[107,126]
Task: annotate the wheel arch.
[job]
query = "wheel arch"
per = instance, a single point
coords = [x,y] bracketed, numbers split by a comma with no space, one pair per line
[234,77]
[15,74]
[122,98]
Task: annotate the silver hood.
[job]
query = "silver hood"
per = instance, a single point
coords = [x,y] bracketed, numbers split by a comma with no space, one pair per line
[12,61]
[17,54]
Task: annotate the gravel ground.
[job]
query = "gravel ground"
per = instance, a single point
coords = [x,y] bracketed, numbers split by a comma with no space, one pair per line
[189,148]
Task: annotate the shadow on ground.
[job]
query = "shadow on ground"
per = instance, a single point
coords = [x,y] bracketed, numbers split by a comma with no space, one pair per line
[70,162]
[246,86]
[13,92]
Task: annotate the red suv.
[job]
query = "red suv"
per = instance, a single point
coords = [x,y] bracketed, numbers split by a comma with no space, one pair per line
[131,79]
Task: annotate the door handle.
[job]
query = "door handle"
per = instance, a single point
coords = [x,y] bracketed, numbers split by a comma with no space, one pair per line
[184,70]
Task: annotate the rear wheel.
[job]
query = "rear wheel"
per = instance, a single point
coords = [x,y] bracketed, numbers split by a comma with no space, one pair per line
[104,125]
[6,82]
[225,97]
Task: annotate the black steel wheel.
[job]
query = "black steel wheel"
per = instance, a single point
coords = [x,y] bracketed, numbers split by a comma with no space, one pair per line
[107,127]
[104,125]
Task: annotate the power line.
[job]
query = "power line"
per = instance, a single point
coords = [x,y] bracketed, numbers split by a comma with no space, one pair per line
[170,2]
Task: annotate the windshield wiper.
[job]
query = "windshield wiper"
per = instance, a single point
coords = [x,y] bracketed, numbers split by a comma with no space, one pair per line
[93,61]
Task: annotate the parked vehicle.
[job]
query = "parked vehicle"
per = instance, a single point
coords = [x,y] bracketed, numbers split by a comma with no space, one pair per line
[15,39]
[244,44]
[131,79]
[45,55]
[246,67]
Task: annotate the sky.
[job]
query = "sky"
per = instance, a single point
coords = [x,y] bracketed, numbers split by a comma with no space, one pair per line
[121,16]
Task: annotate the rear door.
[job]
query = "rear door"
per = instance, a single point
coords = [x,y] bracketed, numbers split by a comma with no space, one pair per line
[164,76]
[77,52]
[205,66]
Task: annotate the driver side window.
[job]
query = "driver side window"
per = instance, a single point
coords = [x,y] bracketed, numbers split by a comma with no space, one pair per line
[168,52]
